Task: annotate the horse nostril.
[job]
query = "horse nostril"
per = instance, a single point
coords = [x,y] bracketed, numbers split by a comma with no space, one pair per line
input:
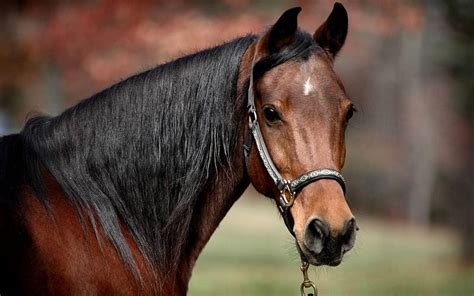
[315,235]
[348,235]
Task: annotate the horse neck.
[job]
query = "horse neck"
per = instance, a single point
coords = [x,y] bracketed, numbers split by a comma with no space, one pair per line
[223,192]
[210,211]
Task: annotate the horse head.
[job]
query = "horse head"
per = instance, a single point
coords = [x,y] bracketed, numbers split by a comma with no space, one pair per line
[299,112]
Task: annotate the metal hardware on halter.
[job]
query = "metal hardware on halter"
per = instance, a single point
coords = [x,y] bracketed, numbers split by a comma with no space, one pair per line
[287,197]
[307,283]
[252,114]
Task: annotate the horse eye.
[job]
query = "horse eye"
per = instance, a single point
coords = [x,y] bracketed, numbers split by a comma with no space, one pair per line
[271,114]
[350,113]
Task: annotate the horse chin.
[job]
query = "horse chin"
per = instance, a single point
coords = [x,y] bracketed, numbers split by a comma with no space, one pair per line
[316,260]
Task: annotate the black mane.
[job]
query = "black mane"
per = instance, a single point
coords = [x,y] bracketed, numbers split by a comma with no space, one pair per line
[139,153]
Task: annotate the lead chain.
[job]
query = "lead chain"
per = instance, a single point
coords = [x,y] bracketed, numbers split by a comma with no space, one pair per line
[307,283]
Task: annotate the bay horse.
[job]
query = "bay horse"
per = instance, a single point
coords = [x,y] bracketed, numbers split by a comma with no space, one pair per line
[119,194]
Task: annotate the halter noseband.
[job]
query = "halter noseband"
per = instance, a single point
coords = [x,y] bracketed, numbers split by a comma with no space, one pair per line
[288,189]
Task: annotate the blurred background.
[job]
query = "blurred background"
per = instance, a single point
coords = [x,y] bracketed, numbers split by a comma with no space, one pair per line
[407,65]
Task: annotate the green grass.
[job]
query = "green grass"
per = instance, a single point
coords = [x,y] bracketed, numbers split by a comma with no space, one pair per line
[251,253]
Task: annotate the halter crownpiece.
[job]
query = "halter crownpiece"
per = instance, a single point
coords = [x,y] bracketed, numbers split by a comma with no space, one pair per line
[288,189]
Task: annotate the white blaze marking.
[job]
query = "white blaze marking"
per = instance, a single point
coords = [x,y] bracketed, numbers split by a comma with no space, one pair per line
[308,87]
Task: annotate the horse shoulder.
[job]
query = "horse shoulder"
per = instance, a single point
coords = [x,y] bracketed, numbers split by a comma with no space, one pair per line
[66,258]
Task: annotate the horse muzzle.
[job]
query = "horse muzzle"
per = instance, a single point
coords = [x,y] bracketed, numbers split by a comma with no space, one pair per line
[320,246]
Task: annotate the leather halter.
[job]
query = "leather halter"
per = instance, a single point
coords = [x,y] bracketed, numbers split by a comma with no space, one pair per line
[288,189]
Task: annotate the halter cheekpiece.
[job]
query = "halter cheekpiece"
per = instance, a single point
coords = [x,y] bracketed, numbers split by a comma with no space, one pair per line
[288,189]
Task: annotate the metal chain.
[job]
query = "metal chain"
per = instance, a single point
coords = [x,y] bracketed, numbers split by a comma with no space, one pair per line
[307,283]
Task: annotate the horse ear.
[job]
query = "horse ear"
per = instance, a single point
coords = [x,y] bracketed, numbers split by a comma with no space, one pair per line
[283,31]
[332,33]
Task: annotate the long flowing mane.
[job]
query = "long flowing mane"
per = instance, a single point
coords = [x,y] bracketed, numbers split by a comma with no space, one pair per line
[138,154]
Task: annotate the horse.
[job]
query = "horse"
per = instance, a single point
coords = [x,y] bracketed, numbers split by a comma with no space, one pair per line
[120,193]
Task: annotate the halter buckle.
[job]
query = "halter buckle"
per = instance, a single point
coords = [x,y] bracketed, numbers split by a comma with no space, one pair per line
[252,114]
[287,197]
